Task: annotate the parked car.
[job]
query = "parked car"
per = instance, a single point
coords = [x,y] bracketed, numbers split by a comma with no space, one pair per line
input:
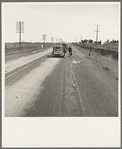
[58,50]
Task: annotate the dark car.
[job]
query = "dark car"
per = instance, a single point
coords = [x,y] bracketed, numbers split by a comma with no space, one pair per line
[58,50]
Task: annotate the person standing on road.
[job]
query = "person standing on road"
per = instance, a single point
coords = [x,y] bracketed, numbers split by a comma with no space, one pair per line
[64,50]
[90,53]
[70,51]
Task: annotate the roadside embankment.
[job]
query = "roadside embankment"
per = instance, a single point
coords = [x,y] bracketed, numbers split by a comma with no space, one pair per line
[102,50]
[12,50]
[105,62]
[110,53]
[25,47]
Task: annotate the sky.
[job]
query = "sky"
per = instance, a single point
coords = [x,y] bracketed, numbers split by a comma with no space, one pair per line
[71,21]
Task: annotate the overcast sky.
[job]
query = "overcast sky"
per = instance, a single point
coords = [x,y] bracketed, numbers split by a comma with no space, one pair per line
[61,20]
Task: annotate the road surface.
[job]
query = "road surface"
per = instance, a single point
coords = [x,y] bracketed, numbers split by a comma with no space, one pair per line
[40,85]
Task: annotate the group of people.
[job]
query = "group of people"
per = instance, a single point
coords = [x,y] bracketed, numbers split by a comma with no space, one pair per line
[70,51]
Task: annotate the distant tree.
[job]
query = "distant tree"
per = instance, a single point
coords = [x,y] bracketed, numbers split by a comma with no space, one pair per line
[107,41]
[85,41]
[114,41]
[90,41]
[99,42]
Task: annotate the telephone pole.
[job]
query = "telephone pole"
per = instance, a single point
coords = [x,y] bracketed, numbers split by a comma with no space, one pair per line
[52,39]
[81,38]
[97,34]
[20,29]
[44,37]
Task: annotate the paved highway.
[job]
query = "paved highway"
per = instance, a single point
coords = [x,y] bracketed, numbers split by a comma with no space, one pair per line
[73,86]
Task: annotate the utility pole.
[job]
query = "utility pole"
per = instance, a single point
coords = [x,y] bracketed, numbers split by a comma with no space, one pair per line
[97,34]
[52,39]
[60,40]
[75,39]
[19,29]
[44,37]
[80,38]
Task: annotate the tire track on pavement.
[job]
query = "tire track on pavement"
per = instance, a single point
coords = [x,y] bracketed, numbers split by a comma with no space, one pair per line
[80,100]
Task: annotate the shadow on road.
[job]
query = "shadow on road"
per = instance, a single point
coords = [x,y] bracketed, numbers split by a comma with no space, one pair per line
[55,56]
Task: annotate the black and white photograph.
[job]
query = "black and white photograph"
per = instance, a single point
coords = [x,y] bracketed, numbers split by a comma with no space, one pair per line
[61,66]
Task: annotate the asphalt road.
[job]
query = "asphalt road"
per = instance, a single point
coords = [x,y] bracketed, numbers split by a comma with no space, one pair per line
[72,86]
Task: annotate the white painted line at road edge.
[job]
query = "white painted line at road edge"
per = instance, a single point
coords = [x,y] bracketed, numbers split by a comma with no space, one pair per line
[75,62]
[78,91]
